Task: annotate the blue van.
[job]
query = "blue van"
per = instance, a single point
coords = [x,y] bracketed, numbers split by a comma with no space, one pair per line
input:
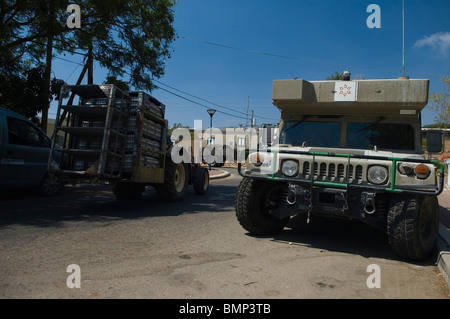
[24,155]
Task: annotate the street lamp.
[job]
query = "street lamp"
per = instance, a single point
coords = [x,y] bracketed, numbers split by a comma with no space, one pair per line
[211,113]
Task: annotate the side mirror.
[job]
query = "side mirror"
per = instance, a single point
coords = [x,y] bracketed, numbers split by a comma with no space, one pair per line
[434,142]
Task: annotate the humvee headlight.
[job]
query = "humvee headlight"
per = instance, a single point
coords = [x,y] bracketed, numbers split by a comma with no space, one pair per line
[406,168]
[289,168]
[377,175]
[256,159]
[421,171]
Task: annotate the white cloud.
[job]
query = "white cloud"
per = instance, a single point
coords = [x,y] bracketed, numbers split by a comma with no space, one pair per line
[439,41]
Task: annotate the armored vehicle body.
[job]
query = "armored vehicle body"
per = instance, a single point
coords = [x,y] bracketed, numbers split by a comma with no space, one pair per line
[349,149]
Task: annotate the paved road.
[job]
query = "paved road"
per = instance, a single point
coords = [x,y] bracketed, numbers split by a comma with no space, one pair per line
[192,249]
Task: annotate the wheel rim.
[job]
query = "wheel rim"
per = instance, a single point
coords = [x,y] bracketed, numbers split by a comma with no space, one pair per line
[180,177]
[50,184]
[270,201]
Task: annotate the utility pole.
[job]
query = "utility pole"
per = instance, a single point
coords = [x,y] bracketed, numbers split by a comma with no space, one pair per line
[47,79]
[48,69]
[248,105]
[90,64]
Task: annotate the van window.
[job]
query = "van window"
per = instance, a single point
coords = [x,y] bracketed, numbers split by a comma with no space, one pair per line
[21,132]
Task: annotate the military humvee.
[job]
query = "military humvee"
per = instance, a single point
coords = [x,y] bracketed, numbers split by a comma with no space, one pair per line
[350,149]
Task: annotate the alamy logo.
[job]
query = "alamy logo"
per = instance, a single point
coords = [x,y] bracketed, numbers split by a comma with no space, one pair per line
[74,20]
[374,19]
[74,279]
[374,279]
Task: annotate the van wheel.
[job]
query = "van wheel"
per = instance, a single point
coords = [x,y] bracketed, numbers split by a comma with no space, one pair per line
[51,185]
[413,224]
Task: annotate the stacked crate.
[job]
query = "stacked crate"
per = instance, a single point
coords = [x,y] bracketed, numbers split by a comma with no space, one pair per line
[112,134]
[143,142]
[94,129]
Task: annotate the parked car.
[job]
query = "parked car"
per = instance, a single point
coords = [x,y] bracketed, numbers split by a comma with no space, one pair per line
[24,155]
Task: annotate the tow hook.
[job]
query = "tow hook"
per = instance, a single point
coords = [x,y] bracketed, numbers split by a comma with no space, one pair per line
[295,192]
[369,202]
[291,197]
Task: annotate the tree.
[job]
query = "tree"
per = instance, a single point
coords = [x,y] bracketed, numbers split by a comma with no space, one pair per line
[28,31]
[175,126]
[440,103]
[110,79]
[335,76]
[23,93]
[126,37]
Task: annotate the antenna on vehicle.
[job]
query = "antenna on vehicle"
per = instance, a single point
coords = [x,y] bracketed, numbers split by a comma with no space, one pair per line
[403,42]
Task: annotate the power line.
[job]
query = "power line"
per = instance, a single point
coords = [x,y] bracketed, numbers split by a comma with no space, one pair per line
[299,58]
[70,75]
[209,102]
[241,49]
[197,103]
[183,92]
[69,61]
[199,98]
[187,99]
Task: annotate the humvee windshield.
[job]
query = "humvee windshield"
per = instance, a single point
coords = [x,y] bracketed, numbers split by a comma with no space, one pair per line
[361,135]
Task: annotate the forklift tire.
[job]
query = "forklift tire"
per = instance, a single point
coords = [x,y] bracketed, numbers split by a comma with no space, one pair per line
[175,181]
[201,181]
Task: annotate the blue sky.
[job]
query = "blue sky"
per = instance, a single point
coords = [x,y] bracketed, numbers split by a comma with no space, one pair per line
[228,52]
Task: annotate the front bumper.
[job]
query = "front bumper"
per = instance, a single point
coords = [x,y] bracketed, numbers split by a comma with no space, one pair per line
[347,185]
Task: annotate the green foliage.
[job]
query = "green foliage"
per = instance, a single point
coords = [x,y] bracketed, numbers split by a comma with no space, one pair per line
[440,103]
[110,79]
[23,93]
[335,76]
[175,126]
[25,26]
[127,37]
[436,125]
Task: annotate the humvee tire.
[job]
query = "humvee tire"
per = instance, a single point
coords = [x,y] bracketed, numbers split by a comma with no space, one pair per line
[254,199]
[413,224]
[175,181]
[128,190]
[201,181]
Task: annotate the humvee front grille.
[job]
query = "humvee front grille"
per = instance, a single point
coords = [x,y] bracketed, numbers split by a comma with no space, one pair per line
[340,173]
[330,172]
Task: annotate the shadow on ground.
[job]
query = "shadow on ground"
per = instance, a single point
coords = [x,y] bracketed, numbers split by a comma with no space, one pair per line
[342,236]
[98,203]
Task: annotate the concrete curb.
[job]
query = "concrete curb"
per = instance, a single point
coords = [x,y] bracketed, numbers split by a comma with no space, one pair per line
[443,246]
[222,174]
